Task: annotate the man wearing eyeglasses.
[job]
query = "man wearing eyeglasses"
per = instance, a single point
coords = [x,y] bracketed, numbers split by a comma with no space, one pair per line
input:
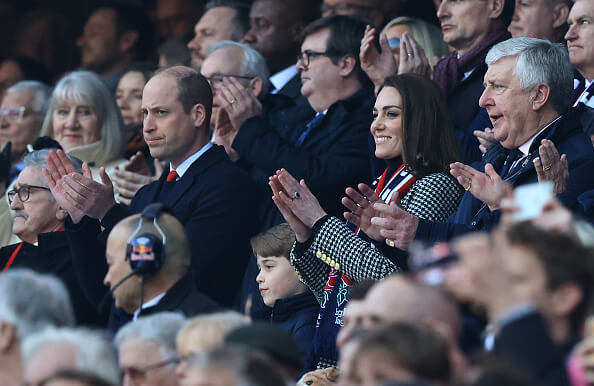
[21,114]
[38,221]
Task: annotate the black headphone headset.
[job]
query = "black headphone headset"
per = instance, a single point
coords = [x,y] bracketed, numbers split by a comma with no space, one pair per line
[146,252]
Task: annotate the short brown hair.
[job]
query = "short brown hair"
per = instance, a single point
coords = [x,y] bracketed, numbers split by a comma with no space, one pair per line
[276,241]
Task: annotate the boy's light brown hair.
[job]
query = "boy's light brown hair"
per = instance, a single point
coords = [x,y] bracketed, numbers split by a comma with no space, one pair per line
[276,241]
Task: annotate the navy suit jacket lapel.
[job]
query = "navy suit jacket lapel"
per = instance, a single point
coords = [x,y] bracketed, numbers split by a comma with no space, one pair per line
[206,160]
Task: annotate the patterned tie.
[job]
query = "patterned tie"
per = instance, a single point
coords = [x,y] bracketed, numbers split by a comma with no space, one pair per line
[509,161]
[172,176]
[310,126]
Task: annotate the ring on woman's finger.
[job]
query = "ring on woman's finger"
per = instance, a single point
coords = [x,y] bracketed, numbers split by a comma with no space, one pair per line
[468,187]
[390,243]
[546,168]
[410,55]
[296,194]
[232,100]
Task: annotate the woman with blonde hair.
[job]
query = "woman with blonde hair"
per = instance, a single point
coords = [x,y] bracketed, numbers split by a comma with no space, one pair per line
[84,118]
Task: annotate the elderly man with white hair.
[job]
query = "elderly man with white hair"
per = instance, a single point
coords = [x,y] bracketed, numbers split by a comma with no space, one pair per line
[38,221]
[146,350]
[29,302]
[55,349]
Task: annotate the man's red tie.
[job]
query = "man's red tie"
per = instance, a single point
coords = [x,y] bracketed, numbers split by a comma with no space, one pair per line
[172,176]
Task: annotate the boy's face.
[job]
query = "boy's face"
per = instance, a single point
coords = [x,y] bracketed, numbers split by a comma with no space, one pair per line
[277,279]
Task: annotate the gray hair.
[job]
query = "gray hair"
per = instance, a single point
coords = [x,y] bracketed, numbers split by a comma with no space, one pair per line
[213,328]
[159,328]
[41,94]
[253,63]
[32,301]
[94,352]
[87,88]
[37,158]
[539,61]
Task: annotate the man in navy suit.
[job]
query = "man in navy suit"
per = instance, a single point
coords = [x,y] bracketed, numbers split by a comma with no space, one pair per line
[211,196]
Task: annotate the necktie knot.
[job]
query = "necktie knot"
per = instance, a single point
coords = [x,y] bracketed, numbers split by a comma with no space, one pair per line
[172,176]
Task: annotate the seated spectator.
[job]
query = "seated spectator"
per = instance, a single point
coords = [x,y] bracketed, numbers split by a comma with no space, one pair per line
[417,148]
[223,20]
[114,36]
[146,349]
[21,113]
[38,220]
[275,31]
[293,305]
[330,151]
[84,118]
[524,134]
[55,349]
[427,35]
[543,295]
[204,333]
[275,342]
[16,69]
[128,97]
[157,281]
[29,302]
[581,46]
[368,10]
[401,352]
[233,366]
[541,19]
[174,52]
[200,186]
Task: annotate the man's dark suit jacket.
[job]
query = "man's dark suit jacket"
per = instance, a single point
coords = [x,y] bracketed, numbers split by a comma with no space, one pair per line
[293,88]
[214,200]
[52,255]
[333,156]
[567,135]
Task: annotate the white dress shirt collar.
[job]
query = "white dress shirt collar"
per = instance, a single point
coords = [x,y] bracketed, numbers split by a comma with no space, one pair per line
[184,166]
[281,78]
[151,303]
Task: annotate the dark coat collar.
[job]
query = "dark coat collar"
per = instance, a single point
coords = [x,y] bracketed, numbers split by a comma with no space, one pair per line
[284,308]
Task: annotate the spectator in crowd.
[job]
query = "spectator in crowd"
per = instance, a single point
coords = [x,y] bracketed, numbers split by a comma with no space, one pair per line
[128,96]
[114,36]
[293,305]
[233,366]
[525,133]
[165,284]
[541,19]
[401,352]
[543,295]
[368,10]
[38,221]
[174,52]
[330,151]
[470,29]
[176,18]
[204,333]
[84,118]
[146,349]
[581,55]
[16,69]
[29,302]
[202,196]
[223,20]
[427,35]
[275,31]
[21,113]
[54,349]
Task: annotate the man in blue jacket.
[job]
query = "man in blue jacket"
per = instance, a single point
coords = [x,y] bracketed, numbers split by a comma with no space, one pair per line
[528,89]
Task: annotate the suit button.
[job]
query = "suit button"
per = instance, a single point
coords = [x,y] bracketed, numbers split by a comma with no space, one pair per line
[319,254]
[473,223]
[337,267]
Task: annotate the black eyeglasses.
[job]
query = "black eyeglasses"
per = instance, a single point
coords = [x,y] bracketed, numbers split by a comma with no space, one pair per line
[305,57]
[23,191]
[217,79]
[13,114]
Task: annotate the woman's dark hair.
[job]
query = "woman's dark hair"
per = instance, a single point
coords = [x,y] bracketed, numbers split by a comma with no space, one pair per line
[147,69]
[429,144]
